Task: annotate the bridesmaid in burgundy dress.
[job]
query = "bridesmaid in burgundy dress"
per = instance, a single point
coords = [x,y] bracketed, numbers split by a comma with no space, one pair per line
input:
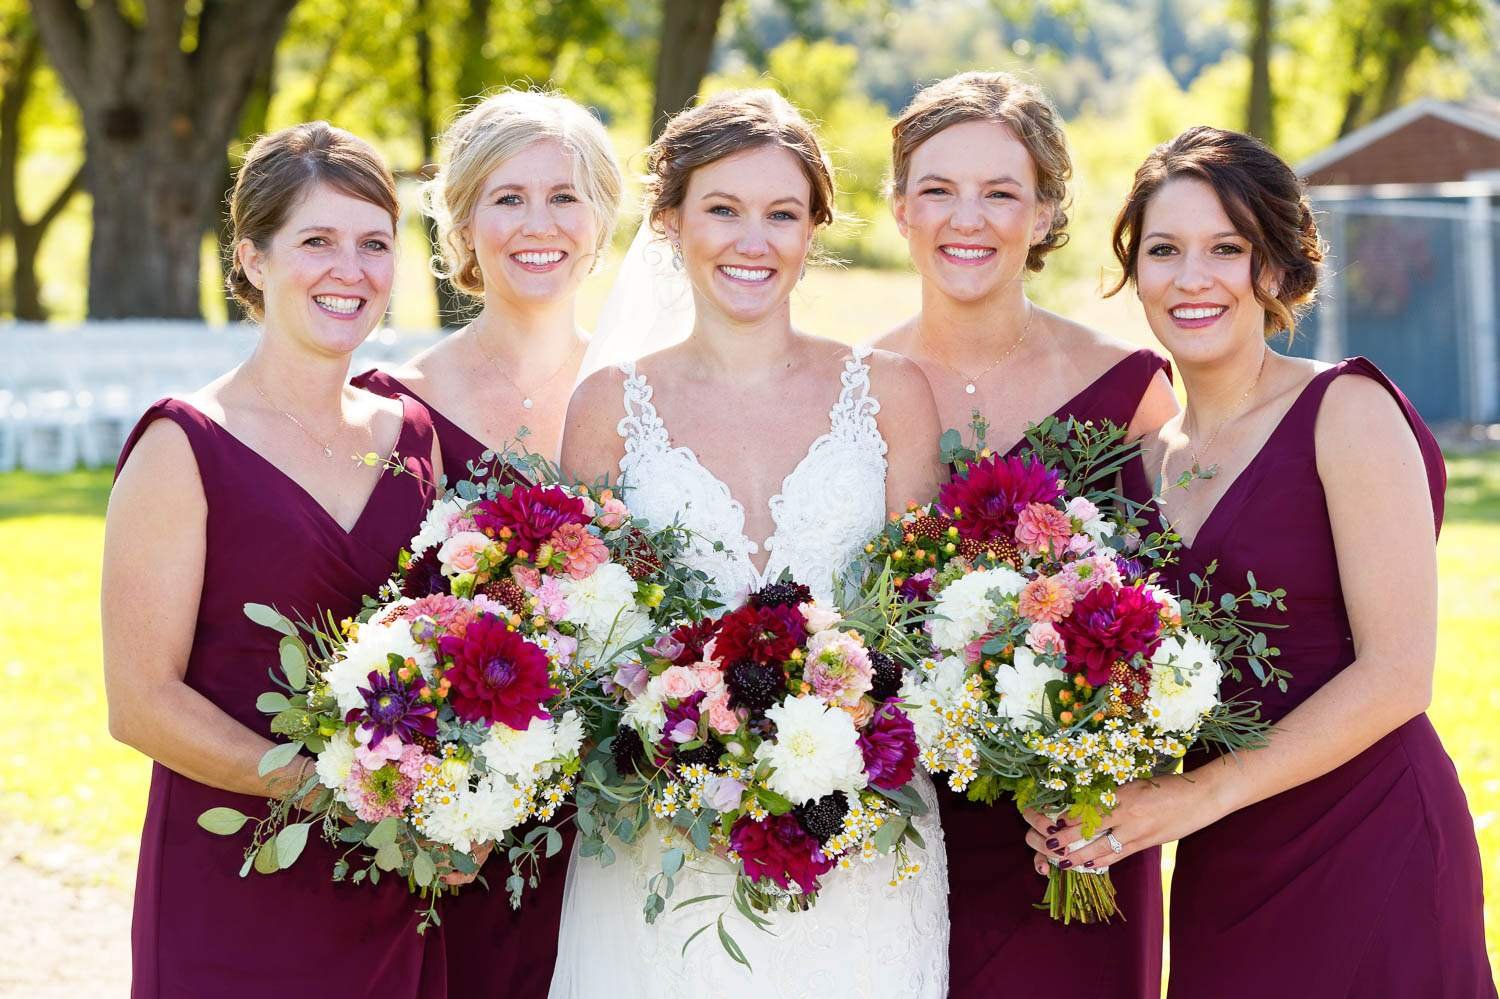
[980,192]
[525,201]
[243,492]
[1339,860]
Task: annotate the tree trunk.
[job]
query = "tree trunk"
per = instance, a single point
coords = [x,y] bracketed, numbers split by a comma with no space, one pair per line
[688,28]
[1260,119]
[157,121]
[453,306]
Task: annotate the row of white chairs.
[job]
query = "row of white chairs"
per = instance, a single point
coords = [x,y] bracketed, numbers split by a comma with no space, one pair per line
[69,396]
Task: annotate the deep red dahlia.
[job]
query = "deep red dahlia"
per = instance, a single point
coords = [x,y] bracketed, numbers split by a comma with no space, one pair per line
[779,849]
[424,576]
[1110,624]
[693,637]
[889,745]
[497,675]
[532,513]
[991,494]
[759,634]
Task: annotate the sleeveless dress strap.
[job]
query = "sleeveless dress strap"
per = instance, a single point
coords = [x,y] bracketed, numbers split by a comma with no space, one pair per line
[200,430]
[852,417]
[1116,394]
[641,427]
[417,437]
[1304,414]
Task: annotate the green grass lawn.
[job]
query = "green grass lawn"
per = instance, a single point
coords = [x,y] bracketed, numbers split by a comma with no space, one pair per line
[66,774]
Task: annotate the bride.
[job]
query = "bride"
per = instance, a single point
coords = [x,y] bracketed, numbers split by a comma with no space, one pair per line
[773,447]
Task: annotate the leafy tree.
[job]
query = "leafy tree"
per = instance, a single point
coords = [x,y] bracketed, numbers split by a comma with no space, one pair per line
[161,86]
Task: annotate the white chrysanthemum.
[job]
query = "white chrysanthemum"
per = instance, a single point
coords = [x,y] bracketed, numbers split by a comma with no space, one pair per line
[646,713]
[370,652]
[595,603]
[966,608]
[335,762]
[941,682]
[435,526]
[567,735]
[473,816]
[520,753]
[630,627]
[1184,682]
[1023,689]
[816,751]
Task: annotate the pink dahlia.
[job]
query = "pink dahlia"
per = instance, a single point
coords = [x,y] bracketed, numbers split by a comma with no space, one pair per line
[528,516]
[1046,598]
[582,553]
[448,616]
[1043,529]
[496,675]
[1110,625]
[889,745]
[986,500]
[779,849]
[385,791]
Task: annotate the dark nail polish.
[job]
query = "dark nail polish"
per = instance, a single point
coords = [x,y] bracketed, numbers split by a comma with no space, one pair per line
[1065,864]
[1052,843]
[1062,823]
[1051,830]
[1088,863]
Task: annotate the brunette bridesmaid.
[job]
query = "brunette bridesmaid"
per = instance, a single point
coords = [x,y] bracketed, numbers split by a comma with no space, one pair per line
[1339,860]
[979,190]
[525,201]
[247,490]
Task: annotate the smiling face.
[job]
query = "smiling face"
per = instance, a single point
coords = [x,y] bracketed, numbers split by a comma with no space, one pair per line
[534,235]
[326,273]
[744,232]
[970,212]
[1193,274]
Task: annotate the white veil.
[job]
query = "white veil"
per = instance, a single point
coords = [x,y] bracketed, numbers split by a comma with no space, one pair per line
[649,308]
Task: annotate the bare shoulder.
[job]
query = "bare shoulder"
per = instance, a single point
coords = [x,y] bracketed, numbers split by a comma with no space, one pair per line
[599,394]
[896,374]
[1359,415]
[898,340]
[161,474]
[1085,341]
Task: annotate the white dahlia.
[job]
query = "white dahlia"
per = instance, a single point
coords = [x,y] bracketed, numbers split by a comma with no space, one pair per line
[1023,689]
[1184,682]
[335,762]
[596,602]
[816,751]
[930,689]
[370,652]
[437,525]
[966,607]
[470,816]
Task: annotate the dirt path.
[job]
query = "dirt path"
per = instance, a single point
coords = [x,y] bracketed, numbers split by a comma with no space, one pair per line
[64,926]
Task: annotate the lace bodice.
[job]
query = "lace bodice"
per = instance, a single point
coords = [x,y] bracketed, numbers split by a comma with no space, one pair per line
[830,504]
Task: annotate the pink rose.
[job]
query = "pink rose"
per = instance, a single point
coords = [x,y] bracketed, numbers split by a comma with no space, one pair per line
[1080,509]
[708,676]
[679,682]
[613,514]
[721,717]
[460,553]
[723,794]
[817,618]
[528,577]
[549,599]
[1043,637]
[862,711]
[373,757]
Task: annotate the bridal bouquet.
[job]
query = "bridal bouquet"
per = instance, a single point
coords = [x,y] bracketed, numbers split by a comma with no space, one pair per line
[770,737]
[1059,669]
[449,715]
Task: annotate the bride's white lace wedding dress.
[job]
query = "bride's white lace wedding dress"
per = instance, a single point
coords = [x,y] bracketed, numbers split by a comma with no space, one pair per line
[862,938]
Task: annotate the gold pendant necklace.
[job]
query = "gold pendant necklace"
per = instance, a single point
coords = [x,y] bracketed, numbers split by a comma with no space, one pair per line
[971,382]
[526,400]
[327,446]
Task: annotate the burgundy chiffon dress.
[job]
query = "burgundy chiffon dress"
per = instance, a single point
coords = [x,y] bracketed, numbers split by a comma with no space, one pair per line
[1366,881]
[199,929]
[1001,945]
[494,950]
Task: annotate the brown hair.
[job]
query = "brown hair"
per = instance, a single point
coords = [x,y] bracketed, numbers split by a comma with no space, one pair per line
[1004,100]
[731,123]
[1265,203]
[279,170]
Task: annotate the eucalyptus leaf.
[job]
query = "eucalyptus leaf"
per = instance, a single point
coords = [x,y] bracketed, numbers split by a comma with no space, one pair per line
[289,844]
[388,857]
[554,842]
[423,870]
[265,858]
[272,702]
[294,662]
[672,861]
[269,617]
[384,833]
[279,756]
[223,821]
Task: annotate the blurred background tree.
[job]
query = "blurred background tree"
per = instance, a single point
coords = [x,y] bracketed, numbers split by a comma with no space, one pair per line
[156,101]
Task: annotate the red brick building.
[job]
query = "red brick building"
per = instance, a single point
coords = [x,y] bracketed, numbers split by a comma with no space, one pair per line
[1425,142]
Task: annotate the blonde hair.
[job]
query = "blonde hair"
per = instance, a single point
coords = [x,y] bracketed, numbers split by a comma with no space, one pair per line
[730,123]
[1004,100]
[488,134]
[278,171]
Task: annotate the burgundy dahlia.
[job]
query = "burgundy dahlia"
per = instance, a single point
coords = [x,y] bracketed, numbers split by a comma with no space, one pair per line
[532,513]
[424,576]
[779,849]
[693,637]
[991,494]
[1108,625]
[889,745]
[395,707]
[497,675]
[759,634]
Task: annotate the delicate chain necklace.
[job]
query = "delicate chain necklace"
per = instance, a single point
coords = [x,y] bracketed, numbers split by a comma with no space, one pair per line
[1198,452]
[969,381]
[326,446]
[526,401]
